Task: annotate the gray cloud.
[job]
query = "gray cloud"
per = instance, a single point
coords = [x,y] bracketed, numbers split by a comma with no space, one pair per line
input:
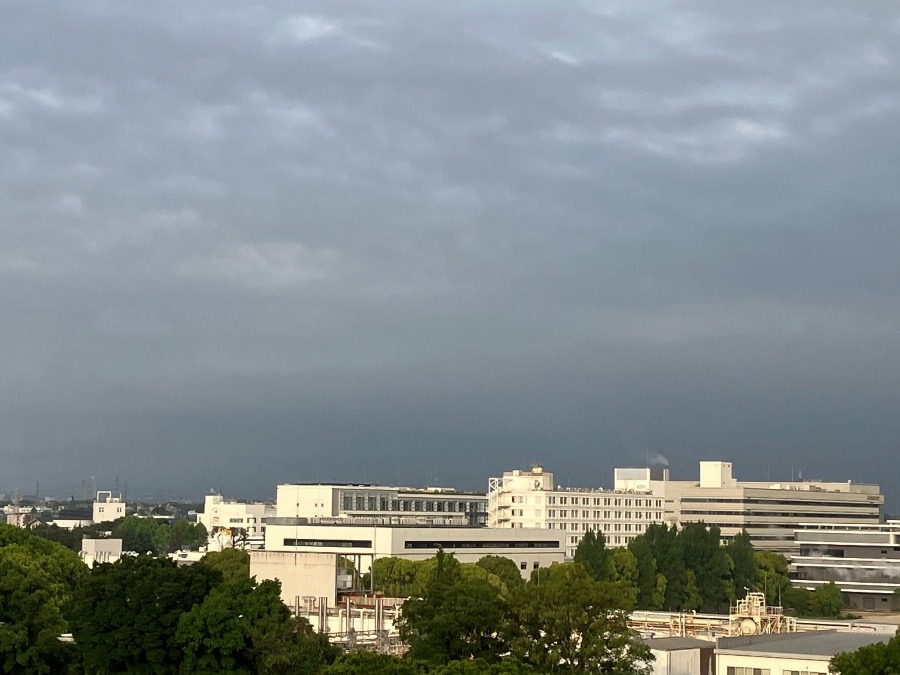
[244,244]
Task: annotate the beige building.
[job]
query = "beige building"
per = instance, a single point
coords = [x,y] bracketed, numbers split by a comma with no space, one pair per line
[769,511]
[108,508]
[352,501]
[530,499]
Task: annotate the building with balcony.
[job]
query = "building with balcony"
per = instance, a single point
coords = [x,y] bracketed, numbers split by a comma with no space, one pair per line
[862,560]
[770,512]
[229,521]
[530,499]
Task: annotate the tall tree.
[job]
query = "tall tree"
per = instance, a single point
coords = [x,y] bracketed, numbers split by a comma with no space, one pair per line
[743,564]
[36,581]
[648,579]
[772,576]
[668,551]
[457,616]
[593,554]
[563,621]
[704,555]
[395,577]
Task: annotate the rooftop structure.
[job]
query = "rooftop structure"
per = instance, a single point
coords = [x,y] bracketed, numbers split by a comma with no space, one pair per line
[769,511]
[531,499]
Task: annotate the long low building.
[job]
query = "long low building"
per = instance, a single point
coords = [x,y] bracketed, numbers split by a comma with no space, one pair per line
[303,552]
[862,560]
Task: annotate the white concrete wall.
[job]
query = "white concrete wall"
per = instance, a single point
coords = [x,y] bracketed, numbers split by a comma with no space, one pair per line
[219,513]
[306,501]
[100,551]
[775,665]
[301,574]
[109,510]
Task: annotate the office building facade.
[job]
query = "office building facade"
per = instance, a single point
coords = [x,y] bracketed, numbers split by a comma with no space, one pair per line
[530,499]
[862,560]
[770,512]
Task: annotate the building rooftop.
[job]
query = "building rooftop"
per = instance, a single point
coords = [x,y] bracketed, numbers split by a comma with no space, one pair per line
[440,521]
[811,645]
[674,644]
[405,490]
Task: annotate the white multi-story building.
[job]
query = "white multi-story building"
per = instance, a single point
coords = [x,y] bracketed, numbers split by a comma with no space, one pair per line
[770,512]
[223,517]
[108,508]
[529,499]
[420,505]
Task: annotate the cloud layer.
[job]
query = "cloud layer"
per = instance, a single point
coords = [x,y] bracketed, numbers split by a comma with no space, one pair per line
[428,243]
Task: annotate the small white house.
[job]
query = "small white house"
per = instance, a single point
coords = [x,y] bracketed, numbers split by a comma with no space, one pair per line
[108,508]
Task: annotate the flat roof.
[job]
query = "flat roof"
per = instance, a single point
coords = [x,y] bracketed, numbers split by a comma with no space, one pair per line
[812,644]
[674,644]
[437,491]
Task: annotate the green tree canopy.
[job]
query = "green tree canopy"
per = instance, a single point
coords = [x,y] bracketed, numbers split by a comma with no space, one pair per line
[395,577]
[876,659]
[772,575]
[503,568]
[827,601]
[743,564]
[457,616]
[593,554]
[710,564]
[126,614]
[36,580]
[232,563]
[562,619]
[245,628]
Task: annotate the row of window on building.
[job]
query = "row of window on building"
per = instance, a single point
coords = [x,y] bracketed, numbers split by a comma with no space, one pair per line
[555,500]
[386,503]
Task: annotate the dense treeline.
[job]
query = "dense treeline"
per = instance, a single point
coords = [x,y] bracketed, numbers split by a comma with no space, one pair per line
[689,569]
[144,614]
[881,658]
[138,535]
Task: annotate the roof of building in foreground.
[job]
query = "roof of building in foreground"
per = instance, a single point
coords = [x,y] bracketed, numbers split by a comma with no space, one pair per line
[675,644]
[813,645]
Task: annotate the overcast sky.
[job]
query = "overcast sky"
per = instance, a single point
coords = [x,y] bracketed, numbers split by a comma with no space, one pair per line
[428,242]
